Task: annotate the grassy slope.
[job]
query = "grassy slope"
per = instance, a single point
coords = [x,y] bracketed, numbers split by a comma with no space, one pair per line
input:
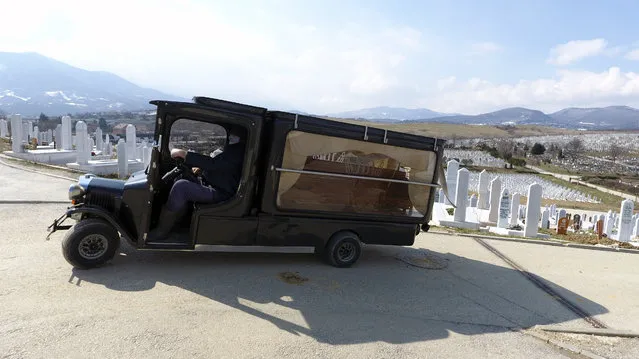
[446,130]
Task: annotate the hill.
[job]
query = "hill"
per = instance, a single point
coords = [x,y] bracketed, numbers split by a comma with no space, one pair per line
[31,83]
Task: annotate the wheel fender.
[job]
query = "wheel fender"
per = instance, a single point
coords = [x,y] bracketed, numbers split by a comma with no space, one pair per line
[101,213]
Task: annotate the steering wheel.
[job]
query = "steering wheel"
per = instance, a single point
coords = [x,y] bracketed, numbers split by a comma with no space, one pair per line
[180,170]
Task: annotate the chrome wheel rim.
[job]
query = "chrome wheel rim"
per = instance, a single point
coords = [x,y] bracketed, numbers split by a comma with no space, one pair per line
[346,252]
[93,246]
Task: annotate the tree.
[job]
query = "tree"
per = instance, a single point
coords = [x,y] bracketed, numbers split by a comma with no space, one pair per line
[103,124]
[505,149]
[537,149]
[574,148]
[615,151]
[43,117]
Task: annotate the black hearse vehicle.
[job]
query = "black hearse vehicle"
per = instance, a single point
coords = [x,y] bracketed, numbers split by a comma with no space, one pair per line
[306,182]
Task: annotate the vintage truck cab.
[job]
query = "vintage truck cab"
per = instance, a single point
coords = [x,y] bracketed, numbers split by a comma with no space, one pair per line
[307,183]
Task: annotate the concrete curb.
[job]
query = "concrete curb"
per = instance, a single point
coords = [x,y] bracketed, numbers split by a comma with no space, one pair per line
[555,243]
[606,332]
[564,346]
[36,171]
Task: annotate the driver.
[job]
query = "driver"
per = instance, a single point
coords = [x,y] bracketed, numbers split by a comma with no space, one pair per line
[221,177]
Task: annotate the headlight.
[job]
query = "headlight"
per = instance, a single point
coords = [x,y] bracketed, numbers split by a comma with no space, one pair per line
[75,191]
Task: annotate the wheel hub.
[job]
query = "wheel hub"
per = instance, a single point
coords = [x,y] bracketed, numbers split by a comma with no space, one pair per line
[93,246]
[346,252]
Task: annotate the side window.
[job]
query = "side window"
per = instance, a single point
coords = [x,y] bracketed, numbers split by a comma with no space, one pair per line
[197,136]
[333,155]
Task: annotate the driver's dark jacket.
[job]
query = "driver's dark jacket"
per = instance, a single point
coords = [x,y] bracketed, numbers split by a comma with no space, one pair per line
[223,172]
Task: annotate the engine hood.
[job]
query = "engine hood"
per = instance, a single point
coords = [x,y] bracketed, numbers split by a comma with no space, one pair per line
[91,182]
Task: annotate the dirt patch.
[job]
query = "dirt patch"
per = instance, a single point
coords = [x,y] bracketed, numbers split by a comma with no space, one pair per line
[587,238]
[423,259]
[292,278]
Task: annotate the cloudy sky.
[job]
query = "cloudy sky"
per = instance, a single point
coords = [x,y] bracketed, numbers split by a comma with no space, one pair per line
[463,56]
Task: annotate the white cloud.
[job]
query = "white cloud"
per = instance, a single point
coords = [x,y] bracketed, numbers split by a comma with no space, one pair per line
[633,55]
[574,51]
[569,88]
[483,48]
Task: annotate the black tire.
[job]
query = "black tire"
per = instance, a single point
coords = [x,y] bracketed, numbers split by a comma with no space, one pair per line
[90,243]
[343,249]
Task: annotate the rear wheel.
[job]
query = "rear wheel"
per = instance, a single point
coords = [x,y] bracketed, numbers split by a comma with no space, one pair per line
[90,243]
[343,249]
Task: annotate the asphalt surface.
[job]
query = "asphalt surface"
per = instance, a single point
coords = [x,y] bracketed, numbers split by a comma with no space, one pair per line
[237,305]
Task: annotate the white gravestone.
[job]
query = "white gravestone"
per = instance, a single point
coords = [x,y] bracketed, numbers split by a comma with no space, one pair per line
[473,201]
[16,133]
[451,180]
[123,164]
[99,140]
[562,214]
[36,134]
[58,137]
[441,196]
[3,128]
[545,221]
[495,192]
[504,209]
[483,201]
[514,209]
[625,222]
[66,133]
[533,206]
[130,142]
[636,229]
[609,223]
[81,143]
[26,133]
[462,195]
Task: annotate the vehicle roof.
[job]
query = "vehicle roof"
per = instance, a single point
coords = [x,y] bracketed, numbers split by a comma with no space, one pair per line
[217,104]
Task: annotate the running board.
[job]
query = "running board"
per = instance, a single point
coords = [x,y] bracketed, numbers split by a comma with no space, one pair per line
[252,249]
[188,247]
[226,248]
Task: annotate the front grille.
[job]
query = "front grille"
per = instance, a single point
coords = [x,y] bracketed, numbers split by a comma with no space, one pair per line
[101,199]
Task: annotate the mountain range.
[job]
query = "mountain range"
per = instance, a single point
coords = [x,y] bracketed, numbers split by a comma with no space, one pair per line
[31,83]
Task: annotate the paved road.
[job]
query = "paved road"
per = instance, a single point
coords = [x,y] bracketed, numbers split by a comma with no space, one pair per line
[228,305]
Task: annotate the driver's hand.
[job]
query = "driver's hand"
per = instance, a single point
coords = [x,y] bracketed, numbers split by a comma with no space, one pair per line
[197,171]
[176,152]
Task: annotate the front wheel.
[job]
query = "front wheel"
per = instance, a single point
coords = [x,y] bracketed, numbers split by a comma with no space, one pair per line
[90,243]
[343,249]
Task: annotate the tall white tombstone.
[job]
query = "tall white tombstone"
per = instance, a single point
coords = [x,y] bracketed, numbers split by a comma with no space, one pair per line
[36,134]
[145,154]
[26,133]
[441,195]
[545,219]
[451,180]
[130,142]
[483,202]
[636,229]
[66,133]
[16,133]
[461,201]
[49,136]
[609,223]
[533,206]
[625,221]
[58,137]
[99,140]
[82,145]
[495,194]
[107,145]
[123,164]
[514,209]
[504,208]
[3,128]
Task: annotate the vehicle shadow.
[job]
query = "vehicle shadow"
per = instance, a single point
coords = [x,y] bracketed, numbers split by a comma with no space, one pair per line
[381,298]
